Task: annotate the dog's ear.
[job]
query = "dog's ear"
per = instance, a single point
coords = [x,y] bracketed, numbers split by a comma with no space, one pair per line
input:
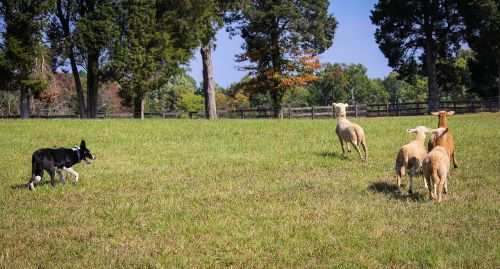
[82,144]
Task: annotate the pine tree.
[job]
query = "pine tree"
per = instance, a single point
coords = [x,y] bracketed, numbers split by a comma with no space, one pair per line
[155,40]
[416,33]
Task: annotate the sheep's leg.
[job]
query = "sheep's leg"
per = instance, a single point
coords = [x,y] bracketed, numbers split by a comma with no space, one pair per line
[442,182]
[357,150]
[428,180]
[363,143]
[398,178]
[342,145]
[425,183]
[454,161]
[446,183]
[410,191]
[348,148]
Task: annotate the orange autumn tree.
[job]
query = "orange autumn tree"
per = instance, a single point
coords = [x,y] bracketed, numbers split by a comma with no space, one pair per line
[282,40]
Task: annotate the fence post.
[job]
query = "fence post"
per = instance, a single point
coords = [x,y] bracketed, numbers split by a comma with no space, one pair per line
[356,111]
[418,108]
[289,112]
[312,112]
[387,109]
[471,106]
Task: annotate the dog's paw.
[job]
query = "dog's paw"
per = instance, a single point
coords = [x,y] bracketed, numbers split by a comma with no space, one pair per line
[31,186]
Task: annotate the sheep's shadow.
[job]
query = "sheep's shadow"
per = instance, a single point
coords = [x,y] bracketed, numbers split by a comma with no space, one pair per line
[333,154]
[25,185]
[391,190]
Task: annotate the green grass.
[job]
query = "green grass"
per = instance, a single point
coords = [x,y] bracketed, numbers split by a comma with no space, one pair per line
[245,193]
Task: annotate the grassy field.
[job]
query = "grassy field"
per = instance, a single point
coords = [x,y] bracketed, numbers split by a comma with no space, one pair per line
[245,193]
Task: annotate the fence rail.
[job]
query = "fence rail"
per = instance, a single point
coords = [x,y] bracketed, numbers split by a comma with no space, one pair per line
[314,112]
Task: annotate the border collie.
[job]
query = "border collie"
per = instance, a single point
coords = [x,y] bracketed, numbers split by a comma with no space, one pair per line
[54,160]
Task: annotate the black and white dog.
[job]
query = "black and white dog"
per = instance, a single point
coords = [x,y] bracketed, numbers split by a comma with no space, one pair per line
[54,160]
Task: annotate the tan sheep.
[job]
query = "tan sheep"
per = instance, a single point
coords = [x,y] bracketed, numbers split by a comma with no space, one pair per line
[436,166]
[349,132]
[411,156]
[449,144]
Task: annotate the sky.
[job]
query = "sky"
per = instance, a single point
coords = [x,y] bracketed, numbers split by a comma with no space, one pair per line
[354,42]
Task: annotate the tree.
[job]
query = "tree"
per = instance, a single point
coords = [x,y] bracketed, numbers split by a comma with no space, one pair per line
[23,59]
[63,35]
[482,20]
[282,39]
[83,29]
[138,52]
[152,45]
[454,77]
[418,33]
[329,87]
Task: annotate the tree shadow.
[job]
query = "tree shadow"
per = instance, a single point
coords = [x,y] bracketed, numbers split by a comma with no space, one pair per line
[391,190]
[25,185]
[333,154]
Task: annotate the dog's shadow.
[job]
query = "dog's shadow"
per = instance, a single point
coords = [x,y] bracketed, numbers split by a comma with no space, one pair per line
[25,186]
[391,190]
[333,154]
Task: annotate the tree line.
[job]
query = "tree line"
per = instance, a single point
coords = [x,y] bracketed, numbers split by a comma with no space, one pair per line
[438,49]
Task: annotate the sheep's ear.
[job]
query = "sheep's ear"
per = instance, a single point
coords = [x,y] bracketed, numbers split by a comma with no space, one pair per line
[334,104]
[410,130]
[449,113]
[435,113]
[346,105]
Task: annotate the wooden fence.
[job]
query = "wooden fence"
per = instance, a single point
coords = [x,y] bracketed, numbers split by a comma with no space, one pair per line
[368,110]
[315,112]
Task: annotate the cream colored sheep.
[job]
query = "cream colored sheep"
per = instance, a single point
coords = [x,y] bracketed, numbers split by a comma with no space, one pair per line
[411,156]
[436,166]
[349,132]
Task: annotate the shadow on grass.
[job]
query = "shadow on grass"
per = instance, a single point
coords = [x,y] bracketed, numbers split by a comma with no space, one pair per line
[25,186]
[333,154]
[391,190]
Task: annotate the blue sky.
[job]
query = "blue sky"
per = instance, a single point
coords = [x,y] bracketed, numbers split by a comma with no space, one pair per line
[354,42]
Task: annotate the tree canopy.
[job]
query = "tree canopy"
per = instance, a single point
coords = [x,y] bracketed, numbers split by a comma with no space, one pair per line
[282,39]
[415,34]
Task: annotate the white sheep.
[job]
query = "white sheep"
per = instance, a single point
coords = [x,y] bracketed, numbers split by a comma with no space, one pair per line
[411,156]
[349,132]
[436,166]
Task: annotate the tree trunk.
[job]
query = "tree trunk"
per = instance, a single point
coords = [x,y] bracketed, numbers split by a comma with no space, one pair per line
[78,85]
[208,81]
[430,57]
[498,73]
[92,84]
[24,104]
[64,20]
[433,98]
[139,108]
